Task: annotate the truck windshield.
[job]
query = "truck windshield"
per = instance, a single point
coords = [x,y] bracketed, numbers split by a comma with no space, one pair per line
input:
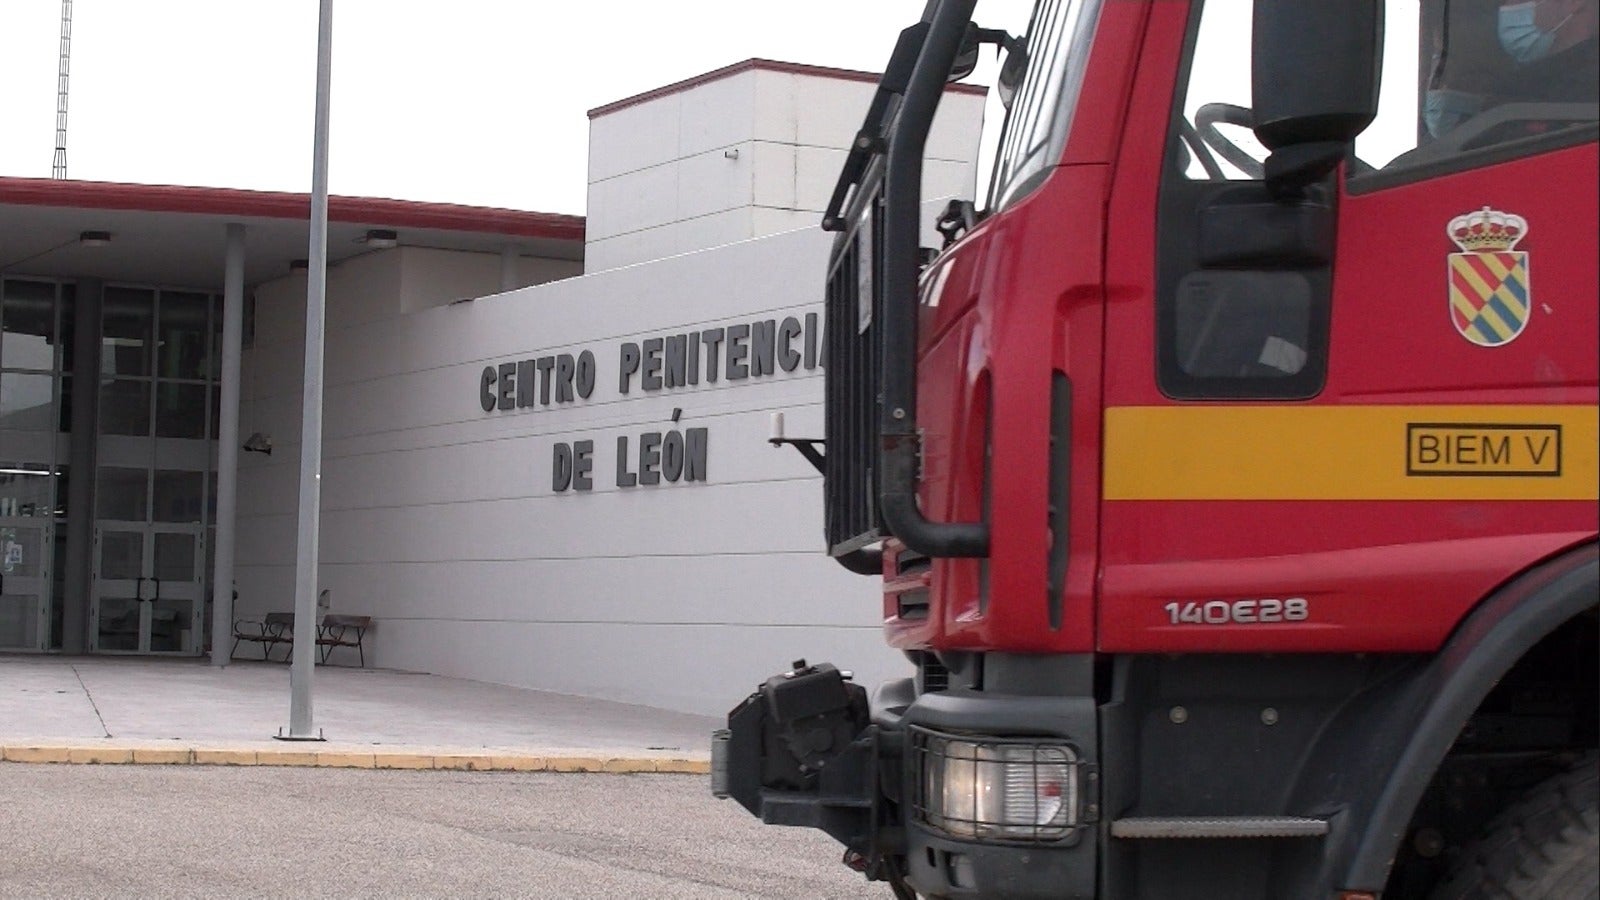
[1469,82]
[1058,38]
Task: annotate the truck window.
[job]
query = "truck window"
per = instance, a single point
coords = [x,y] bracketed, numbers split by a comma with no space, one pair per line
[1227,331]
[1041,114]
[1216,142]
[1468,83]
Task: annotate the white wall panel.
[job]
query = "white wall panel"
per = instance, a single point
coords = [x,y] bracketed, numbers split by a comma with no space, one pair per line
[632,201]
[827,112]
[632,138]
[442,521]
[431,277]
[671,239]
[712,181]
[716,114]
[728,663]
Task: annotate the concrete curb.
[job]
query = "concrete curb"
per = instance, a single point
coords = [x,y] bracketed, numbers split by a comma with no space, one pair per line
[500,761]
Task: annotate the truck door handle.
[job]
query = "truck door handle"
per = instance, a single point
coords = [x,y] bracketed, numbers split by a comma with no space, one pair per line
[138,589]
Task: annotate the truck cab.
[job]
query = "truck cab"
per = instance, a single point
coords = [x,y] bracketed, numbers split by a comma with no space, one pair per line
[1230,470]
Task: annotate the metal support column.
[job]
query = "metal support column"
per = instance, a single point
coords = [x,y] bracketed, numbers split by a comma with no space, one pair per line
[305,563]
[228,447]
[87,312]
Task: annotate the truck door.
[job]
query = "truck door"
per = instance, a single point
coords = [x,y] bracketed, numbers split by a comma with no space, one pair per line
[1338,432]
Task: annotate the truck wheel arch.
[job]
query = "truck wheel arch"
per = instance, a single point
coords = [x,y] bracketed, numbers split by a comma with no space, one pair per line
[1413,722]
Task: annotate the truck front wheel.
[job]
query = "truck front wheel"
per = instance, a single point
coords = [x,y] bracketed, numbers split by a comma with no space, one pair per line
[1546,845]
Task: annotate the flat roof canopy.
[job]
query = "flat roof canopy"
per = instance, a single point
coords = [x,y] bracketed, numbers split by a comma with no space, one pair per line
[174,236]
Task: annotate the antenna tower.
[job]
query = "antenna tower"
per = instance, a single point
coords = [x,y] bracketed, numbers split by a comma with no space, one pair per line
[58,169]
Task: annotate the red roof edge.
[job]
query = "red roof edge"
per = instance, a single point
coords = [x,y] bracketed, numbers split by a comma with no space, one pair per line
[769,65]
[279,205]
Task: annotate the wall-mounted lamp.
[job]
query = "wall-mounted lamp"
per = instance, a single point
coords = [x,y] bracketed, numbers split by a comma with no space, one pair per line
[299,265]
[381,239]
[94,238]
[258,443]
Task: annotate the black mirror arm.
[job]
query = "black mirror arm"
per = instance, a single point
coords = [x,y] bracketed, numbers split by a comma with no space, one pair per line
[1292,169]
[1000,37]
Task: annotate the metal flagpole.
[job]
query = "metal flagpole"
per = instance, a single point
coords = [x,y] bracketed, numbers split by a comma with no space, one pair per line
[305,564]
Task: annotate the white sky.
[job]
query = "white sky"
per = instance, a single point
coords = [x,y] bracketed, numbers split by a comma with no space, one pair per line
[479,102]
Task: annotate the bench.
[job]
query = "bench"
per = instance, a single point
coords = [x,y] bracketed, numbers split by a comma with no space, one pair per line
[269,632]
[343,631]
[333,631]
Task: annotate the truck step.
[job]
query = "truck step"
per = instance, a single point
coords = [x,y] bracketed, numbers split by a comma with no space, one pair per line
[1156,828]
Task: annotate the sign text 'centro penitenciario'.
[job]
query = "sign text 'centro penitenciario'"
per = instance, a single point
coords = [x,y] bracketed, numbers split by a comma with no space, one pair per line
[732,353]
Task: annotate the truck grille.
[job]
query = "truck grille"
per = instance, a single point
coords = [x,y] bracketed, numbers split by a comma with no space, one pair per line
[853,307]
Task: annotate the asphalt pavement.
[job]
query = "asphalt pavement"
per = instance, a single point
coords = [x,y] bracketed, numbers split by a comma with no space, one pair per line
[141,710]
[210,831]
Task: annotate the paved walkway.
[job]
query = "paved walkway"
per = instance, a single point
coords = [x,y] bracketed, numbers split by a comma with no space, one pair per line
[130,710]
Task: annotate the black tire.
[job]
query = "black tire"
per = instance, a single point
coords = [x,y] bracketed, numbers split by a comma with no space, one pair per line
[1545,846]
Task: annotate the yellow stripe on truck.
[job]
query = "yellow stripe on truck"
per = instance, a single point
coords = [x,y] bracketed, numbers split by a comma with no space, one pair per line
[1352,453]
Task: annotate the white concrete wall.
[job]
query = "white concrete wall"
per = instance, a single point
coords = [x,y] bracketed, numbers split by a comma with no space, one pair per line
[440,519]
[748,154]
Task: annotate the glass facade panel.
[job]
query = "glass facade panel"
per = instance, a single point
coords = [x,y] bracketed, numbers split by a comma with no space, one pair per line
[184,333]
[180,410]
[122,495]
[69,329]
[170,624]
[19,621]
[22,552]
[122,554]
[128,319]
[178,497]
[64,407]
[119,623]
[27,401]
[26,489]
[28,325]
[125,407]
[175,556]
[215,368]
[58,588]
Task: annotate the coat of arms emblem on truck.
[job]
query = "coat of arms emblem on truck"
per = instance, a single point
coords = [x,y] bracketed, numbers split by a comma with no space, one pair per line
[1490,298]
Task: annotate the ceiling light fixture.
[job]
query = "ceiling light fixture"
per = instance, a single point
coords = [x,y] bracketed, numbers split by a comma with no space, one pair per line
[94,238]
[381,239]
[299,265]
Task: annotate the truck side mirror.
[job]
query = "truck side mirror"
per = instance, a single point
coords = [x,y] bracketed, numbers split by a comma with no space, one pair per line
[967,56]
[1314,84]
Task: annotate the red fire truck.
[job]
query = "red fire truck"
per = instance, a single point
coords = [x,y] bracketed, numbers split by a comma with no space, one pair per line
[1230,471]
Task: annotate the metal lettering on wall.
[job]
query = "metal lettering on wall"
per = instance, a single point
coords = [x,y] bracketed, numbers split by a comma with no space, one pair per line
[734,353]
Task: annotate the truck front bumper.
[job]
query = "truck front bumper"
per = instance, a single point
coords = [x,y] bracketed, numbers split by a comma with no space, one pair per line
[955,793]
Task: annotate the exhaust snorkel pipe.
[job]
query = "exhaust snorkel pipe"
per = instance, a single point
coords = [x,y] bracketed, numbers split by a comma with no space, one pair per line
[900,450]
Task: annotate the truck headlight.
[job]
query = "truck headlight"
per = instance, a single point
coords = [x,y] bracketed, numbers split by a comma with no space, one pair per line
[996,788]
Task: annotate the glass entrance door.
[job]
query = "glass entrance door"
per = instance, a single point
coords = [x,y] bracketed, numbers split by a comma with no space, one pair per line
[148,588]
[152,485]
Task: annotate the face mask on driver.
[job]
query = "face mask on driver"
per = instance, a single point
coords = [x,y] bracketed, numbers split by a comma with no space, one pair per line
[1521,35]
